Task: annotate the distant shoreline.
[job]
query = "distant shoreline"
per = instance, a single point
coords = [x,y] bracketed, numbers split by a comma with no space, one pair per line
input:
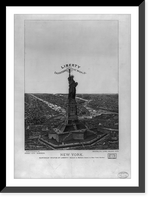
[76,94]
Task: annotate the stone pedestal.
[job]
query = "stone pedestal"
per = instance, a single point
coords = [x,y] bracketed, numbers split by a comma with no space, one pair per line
[72,111]
[72,129]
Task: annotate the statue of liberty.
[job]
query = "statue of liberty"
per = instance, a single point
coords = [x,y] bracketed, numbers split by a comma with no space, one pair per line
[72,87]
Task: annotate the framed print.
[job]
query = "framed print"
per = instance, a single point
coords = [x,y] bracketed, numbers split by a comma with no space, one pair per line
[77,79]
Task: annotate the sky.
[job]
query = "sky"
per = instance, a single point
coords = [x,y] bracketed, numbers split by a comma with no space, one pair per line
[93,45]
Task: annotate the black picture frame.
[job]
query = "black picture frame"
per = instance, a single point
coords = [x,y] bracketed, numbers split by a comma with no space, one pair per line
[141,187]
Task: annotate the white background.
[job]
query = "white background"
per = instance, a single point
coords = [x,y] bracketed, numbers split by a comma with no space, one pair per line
[10,97]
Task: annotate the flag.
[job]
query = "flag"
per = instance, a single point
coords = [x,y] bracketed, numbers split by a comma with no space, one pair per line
[61,72]
[81,72]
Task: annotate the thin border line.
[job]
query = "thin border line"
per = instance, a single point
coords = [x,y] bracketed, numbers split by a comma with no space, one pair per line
[24,88]
[14,98]
[118,92]
[71,20]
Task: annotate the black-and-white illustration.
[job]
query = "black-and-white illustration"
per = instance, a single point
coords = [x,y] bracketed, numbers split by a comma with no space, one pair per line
[71,85]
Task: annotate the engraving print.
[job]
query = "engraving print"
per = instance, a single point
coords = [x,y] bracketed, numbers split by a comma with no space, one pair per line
[71,85]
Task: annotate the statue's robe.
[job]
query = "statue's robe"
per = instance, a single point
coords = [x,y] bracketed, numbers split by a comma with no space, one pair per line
[72,88]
